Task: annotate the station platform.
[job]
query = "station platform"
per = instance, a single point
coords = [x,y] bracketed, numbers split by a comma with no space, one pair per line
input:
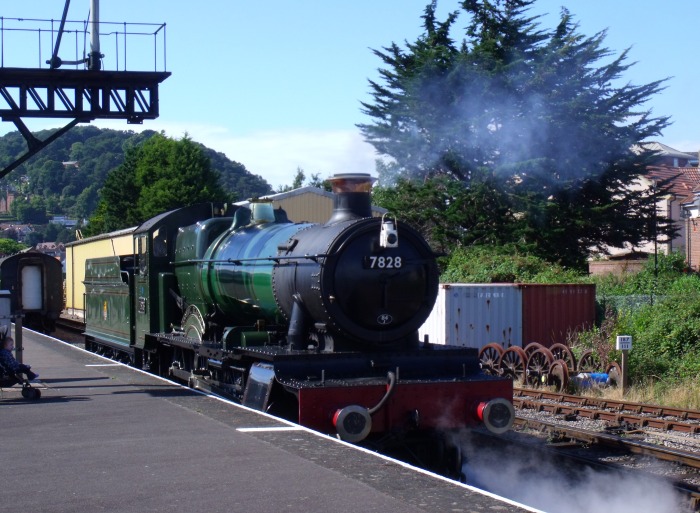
[107,437]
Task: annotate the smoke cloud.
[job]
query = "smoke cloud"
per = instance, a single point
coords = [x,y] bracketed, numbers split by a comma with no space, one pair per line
[544,483]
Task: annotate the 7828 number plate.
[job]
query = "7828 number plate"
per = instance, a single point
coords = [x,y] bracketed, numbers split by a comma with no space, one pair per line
[383,262]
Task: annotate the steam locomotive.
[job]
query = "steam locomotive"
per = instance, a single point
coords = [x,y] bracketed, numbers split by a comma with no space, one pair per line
[316,323]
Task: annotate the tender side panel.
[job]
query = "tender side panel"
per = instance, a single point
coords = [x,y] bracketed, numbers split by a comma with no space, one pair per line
[108,307]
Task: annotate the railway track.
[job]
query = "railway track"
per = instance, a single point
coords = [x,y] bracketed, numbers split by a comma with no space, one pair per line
[634,415]
[624,435]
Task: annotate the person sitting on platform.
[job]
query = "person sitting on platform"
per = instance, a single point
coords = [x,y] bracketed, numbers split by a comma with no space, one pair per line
[10,368]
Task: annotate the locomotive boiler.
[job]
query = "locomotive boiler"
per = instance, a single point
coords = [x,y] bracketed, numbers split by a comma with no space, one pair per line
[316,323]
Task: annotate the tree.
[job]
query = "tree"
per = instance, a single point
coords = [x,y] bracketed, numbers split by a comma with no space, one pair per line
[441,207]
[32,211]
[300,181]
[10,247]
[533,114]
[160,175]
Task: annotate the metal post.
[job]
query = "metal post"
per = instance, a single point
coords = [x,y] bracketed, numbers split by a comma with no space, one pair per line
[625,377]
[94,63]
[19,349]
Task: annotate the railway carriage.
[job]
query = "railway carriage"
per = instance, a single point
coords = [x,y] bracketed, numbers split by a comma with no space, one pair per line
[35,281]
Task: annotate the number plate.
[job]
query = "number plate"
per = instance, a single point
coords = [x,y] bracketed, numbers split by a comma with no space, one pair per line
[383,262]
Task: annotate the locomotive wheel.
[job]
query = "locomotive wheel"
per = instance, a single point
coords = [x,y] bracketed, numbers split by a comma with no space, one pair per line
[562,352]
[532,347]
[490,357]
[538,364]
[559,375]
[193,323]
[614,373]
[588,362]
[513,362]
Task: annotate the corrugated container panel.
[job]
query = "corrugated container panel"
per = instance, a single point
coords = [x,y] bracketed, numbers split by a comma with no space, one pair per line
[473,315]
[552,312]
[311,208]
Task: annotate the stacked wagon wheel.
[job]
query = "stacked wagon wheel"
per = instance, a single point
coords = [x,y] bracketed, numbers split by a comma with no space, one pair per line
[588,362]
[558,375]
[490,358]
[614,373]
[532,347]
[562,352]
[513,363]
[538,364]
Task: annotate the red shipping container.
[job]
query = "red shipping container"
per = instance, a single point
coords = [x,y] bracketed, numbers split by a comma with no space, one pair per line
[552,312]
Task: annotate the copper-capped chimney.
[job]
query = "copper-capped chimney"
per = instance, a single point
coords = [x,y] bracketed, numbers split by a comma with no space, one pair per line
[352,199]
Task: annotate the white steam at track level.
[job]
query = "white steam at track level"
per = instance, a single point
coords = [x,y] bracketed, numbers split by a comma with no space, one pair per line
[541,482]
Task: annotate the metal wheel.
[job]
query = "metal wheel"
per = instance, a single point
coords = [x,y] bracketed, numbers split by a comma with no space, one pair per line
[538,364]
[562,352]
[531,347]
[513,363]
[588,362]
[490,357]
[614,373]
[559,375]
[193,323]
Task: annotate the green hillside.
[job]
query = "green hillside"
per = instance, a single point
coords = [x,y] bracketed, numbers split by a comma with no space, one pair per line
[69,173]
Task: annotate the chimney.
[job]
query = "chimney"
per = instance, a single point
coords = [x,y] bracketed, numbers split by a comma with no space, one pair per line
[352,198]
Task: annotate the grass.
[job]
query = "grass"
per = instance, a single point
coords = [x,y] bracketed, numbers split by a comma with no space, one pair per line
[678,395]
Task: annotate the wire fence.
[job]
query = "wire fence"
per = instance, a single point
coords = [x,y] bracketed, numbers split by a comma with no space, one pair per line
[30,43]
[628,303]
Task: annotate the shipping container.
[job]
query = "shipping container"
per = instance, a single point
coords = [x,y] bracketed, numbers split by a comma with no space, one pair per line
[510,314]
[552,312]
[475,314]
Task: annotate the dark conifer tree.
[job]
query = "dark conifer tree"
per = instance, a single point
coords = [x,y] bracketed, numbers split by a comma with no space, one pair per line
[538,118]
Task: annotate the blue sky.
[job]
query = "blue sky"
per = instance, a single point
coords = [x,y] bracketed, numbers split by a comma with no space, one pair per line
[277,84]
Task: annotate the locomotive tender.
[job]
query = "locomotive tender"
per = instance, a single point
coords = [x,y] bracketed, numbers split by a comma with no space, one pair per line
[316,323]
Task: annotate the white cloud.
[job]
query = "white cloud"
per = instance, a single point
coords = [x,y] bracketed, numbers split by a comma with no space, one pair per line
[275,155]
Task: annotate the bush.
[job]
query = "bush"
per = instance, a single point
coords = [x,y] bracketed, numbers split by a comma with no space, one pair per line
[503,264]
[667,333]
[654,278]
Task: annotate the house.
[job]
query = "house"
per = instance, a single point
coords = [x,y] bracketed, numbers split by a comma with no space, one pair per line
[51,248]
[6,198]
[680,171]
[307,204]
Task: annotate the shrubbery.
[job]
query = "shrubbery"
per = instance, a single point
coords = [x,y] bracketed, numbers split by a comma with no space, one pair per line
[503,264]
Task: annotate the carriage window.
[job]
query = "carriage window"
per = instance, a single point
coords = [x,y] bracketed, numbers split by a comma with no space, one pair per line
[142,247]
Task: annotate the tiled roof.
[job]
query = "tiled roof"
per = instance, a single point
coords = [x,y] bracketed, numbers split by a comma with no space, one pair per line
[683,181]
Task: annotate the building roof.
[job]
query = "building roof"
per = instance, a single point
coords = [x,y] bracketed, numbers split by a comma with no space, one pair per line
[663,151]
[683,182]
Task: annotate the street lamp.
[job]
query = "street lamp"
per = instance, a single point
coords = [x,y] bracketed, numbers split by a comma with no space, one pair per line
[654,233]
